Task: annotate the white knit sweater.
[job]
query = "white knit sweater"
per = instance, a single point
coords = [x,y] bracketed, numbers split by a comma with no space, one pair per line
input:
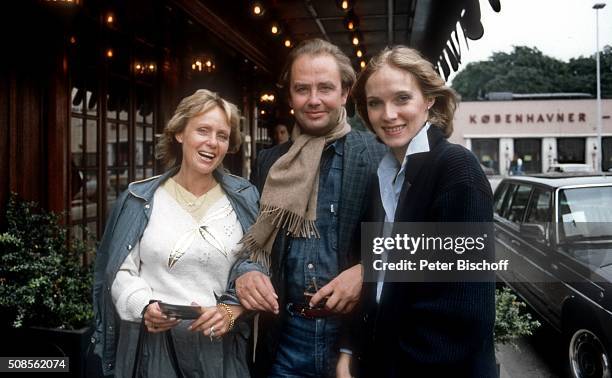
[178,260]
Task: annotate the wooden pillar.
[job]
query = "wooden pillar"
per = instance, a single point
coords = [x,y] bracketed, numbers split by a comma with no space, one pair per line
[4,141]
[58,130]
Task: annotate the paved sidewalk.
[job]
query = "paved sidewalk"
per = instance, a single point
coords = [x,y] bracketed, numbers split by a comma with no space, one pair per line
[540,355]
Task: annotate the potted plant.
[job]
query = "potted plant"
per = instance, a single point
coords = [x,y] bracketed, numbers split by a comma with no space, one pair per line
[511,321]
[45,291]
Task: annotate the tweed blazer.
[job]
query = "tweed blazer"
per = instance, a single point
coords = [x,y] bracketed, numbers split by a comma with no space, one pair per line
[361,156]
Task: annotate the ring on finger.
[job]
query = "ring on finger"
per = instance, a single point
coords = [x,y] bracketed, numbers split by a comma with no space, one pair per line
[212,332]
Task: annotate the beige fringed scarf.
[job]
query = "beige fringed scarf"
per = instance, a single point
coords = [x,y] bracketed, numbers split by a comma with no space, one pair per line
[289,197]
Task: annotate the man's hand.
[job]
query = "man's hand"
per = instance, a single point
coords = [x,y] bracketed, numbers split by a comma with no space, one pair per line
[255,291]
[343,367]
[343,291]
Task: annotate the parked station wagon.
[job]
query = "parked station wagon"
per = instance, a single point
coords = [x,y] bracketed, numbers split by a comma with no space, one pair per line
[558,231]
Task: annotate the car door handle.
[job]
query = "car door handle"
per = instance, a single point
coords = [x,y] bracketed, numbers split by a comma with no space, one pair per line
[515,242]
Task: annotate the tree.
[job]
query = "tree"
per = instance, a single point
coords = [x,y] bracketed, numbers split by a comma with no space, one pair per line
[527,70]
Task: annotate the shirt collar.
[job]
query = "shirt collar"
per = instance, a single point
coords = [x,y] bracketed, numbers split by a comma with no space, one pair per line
[336,146]
[418,144]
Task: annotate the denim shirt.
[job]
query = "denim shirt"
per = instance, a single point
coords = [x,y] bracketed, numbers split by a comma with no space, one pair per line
[317,259]
[125,227]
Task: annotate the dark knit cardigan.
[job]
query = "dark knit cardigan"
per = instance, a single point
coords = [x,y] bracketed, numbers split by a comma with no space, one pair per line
[432,329]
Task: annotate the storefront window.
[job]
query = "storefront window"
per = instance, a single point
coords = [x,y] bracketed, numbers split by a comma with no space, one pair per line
[571,150]
[606,147]
[84,162]
[145,122]
[529,150]
[487,152]
[112,140]
[117,139]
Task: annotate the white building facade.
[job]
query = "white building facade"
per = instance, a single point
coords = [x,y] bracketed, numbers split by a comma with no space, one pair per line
[540,132]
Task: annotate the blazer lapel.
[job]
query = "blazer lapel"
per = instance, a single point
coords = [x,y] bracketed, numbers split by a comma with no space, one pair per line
[413,167]
[354,184]
[376,211]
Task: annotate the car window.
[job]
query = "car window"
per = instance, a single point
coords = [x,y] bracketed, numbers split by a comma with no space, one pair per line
[518,203]
[498,199]
[539,207]
[506,198]
[585,213]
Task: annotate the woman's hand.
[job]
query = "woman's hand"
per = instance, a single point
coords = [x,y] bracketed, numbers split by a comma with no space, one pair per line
[156,321]
[215,321]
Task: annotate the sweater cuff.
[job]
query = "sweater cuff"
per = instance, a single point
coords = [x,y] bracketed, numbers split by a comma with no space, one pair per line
[130,303]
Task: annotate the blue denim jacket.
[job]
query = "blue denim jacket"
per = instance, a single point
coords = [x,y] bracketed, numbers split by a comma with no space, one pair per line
[124,229]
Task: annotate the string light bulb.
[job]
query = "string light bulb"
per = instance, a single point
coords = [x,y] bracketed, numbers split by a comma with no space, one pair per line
[258,9]
[287,42]
[275,29]
[359,54]
[351,21]
[355,40]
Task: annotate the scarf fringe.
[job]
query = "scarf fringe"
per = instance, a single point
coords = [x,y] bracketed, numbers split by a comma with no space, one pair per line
[278,218]
[295,224]
[257,253]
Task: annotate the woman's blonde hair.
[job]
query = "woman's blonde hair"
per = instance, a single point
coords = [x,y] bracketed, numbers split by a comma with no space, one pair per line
[431,84]
[169,150]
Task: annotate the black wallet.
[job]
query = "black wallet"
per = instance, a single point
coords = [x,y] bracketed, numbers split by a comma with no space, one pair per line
[180,311]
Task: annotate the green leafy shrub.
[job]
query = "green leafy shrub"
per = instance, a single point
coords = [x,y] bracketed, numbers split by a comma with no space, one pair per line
[511,321]
[42,280]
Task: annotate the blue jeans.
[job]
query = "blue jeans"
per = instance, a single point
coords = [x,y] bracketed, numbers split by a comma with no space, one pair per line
[307,348]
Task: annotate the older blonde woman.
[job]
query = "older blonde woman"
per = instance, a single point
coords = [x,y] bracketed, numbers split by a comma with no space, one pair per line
[173,238]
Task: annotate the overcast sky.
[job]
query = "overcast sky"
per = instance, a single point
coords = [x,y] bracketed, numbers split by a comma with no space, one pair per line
[562,29]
